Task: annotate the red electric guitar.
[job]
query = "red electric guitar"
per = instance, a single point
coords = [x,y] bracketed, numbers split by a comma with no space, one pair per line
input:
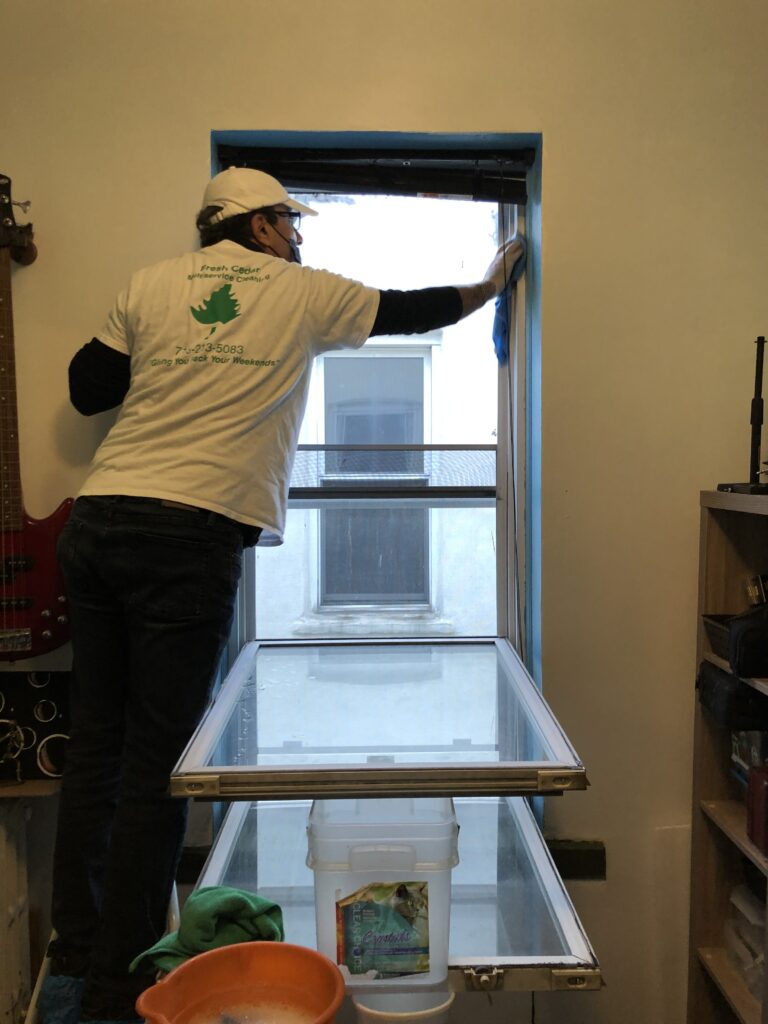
[33,607]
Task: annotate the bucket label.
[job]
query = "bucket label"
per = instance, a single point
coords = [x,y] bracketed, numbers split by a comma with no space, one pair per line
[383,930]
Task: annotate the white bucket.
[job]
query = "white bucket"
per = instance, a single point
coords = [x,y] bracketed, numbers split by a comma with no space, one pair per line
[403,1007]
[408,845]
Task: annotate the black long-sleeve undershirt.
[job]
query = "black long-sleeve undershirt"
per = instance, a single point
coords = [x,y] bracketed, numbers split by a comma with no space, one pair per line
[414,312]
[99,376]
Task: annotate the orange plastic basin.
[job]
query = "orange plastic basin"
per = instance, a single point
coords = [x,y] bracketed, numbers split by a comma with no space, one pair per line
[258,975]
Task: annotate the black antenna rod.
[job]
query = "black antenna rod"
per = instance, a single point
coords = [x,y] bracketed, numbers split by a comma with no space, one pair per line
[756,418]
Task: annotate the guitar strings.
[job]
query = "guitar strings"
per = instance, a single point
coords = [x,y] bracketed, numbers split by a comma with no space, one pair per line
[10,494]
[5,273]
[8,537]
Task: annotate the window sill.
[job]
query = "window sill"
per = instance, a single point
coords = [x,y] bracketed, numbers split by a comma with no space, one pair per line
[373,623]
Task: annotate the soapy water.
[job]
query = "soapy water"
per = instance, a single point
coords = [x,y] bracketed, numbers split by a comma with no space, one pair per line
[261,1013]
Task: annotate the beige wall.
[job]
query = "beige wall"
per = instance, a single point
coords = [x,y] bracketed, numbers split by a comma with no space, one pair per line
[655,231]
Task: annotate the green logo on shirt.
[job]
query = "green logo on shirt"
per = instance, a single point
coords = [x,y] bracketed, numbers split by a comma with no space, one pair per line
[221,307]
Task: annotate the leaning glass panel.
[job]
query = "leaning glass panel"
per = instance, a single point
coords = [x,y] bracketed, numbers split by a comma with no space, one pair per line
[508,905]
[311,719]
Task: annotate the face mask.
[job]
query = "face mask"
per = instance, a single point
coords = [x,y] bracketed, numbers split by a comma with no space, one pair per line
[292,244]
[294,249]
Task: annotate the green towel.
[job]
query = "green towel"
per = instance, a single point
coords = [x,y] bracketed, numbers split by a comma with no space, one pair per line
[213,916]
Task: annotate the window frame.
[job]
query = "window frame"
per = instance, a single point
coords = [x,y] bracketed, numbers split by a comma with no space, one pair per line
[519,429]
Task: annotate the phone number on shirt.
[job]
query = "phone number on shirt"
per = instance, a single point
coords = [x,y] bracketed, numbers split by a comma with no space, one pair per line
[191,350]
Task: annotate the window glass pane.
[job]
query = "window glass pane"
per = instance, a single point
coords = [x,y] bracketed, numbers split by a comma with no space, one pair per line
[411,716]
[407,242]
[506,900]
[351,568]
[462,567]
[428,703]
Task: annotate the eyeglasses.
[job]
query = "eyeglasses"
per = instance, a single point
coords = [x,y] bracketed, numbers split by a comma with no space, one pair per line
[293,216]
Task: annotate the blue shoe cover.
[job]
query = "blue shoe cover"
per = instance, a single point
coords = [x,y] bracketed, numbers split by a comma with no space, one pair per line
[59,999]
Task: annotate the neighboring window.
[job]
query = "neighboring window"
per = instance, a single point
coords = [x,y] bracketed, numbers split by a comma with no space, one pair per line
[371,400]
[374,556]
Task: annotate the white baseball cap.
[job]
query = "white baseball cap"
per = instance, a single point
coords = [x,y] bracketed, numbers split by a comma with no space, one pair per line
[241,189]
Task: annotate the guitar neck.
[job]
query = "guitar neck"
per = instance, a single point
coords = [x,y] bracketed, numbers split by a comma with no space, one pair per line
[11,509]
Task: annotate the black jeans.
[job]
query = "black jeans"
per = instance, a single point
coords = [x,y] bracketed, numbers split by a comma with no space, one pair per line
[151,593]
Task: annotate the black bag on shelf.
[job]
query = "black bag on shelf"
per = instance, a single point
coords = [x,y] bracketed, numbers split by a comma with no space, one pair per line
[748,642]
[732,703]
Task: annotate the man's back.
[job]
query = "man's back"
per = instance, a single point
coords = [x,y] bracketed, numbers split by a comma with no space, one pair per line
[221,342]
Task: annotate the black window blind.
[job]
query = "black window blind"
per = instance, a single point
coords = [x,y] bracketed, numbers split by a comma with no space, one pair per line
[497,175]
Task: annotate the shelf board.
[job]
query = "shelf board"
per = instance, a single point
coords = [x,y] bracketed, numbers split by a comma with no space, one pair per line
[757,684]
[31,788]
[755,504]
[730,816]
[719,967]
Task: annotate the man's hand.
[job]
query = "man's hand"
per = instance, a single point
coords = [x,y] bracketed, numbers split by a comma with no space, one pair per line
[474,296]
[502,264]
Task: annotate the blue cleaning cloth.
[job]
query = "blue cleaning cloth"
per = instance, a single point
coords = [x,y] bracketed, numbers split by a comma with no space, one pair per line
[504,308]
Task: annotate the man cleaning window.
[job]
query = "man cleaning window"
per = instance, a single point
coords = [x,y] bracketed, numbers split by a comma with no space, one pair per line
[209,356]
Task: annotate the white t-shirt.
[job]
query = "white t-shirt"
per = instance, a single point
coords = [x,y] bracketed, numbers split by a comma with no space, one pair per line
[221,343]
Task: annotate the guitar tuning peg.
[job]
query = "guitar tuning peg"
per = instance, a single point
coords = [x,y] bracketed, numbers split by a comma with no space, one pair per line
[24,254]
[23,204]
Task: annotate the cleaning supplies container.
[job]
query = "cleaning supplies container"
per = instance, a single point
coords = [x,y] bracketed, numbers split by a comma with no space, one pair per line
[383,888]
[403,1007]
[270,982]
